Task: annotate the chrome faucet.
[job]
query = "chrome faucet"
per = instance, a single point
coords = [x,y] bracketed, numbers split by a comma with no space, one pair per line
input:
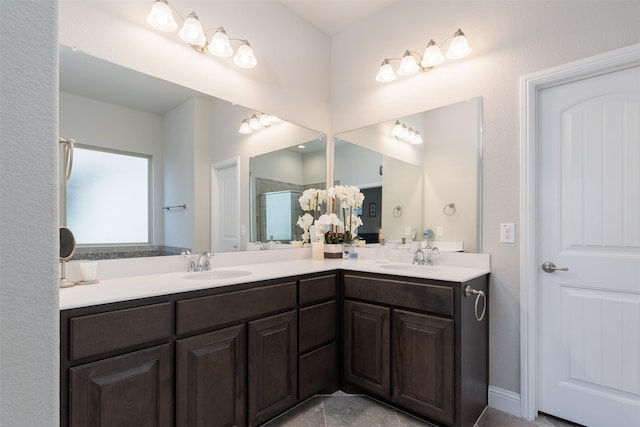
[202,263]
[430,253]
[418,257]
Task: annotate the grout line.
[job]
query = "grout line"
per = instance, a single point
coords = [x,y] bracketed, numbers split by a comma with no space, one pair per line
[324,412]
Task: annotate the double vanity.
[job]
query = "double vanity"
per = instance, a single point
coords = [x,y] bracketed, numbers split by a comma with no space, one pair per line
[244,343]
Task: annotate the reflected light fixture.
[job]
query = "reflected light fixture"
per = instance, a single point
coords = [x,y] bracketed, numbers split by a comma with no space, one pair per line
[404,133]
[413,62]
[161,17]
[256,122]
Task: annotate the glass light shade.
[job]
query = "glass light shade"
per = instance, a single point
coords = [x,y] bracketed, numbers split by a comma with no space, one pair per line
[161,18]
[191,31]
[265,120]
[432,55]
[403,132]
[254,122]
[244,57]
[386,73]
[408,65]
[220,45]
[397,128]
[245,128]
[417,140]
[459,46]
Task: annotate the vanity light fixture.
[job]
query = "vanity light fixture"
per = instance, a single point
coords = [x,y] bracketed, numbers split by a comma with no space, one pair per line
[404,133]
[162,18]
[256,122]
[412,62]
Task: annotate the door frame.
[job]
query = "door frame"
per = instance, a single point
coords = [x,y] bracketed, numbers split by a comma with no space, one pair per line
[530,87]
[215,224]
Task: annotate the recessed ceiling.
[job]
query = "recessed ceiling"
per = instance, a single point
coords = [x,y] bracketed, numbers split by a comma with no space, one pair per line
[333,16]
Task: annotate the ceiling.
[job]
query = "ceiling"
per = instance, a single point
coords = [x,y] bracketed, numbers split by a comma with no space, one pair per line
[333,16]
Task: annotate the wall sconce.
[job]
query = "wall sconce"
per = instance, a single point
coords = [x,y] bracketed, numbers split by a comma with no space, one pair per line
[412,62]
[161,18]
[404,133]
[257,122]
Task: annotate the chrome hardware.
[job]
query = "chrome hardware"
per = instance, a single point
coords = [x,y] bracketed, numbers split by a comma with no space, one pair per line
[549,267]
[418,257]
[468,291]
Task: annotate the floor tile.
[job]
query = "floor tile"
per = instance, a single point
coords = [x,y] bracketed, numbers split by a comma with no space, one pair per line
[358,411]
[307,414]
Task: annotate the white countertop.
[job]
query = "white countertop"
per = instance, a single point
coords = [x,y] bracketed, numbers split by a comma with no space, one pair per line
[132,287]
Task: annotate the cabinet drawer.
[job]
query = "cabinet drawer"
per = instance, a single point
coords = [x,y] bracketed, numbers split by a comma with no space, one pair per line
[104,332]
[400,293]
[318,371]
[317,325]
[209,312]
[317,289]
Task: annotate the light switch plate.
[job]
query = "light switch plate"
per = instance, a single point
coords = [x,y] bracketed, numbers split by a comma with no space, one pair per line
[507,233]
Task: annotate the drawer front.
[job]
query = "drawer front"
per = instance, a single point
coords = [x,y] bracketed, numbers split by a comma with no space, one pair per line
[317,325]
[318,371]
[209,312]
[418,296]
[317,289]
[114,330]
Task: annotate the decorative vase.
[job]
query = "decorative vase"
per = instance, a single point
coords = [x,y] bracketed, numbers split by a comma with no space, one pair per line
[333,250]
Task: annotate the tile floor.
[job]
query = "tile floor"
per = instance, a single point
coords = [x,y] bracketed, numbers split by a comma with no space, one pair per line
[340,409]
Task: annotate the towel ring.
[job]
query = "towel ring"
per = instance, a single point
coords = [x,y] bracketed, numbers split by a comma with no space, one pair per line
[450,209]
[397,211]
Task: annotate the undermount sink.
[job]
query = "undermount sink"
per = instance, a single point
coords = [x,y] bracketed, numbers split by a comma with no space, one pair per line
[424,268]
[216,274]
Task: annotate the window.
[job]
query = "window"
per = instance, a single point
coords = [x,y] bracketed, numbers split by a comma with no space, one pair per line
[108,197]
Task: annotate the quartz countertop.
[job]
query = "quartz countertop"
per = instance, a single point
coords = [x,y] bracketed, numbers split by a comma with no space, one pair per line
[119,289]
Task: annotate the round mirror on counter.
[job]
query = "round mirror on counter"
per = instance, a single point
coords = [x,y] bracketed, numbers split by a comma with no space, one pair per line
[67,249]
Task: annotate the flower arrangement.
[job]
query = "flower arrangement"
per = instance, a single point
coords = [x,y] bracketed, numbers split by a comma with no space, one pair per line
[311,201]
[347,199]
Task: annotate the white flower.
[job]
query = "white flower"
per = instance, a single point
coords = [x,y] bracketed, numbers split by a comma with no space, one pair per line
[312,199]
[305,221]
[327,220]
[355,222]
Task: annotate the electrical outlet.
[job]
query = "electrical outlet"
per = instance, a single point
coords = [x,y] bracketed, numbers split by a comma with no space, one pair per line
[507,233]
[439,230]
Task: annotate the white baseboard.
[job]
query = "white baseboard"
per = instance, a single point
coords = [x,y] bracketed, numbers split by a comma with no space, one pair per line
[504,400]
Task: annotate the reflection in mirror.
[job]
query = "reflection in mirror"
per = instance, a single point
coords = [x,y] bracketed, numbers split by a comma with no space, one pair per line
[185,135]
[435,185]
[278,179]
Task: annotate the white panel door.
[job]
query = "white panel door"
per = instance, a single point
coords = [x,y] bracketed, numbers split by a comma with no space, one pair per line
[225,209]
[589,216]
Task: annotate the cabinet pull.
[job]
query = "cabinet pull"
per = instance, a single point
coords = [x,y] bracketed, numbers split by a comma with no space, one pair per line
[468,291]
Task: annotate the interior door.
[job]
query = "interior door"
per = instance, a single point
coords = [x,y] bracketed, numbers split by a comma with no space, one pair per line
[589,217]
[224,207]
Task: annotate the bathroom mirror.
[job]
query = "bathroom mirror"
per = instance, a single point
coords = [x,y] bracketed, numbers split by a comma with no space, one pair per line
[185,135]
[277,180]
[449,162]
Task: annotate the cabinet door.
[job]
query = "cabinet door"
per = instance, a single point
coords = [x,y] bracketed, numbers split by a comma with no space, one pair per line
[367,347]
[273,366]
[423,364]
[134,389]
[210,379]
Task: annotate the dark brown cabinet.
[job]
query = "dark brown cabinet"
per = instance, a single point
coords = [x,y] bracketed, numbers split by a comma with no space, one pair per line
[367,347]
[273,366]
[210,379]
[417,344]
[423,360]
[135,389]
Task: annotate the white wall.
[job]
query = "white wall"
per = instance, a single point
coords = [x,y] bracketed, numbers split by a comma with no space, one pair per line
[509,39]
[405,193]
[101,124]
[29,280]
[354,165]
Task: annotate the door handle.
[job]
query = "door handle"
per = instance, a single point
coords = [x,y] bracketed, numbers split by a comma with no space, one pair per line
[549,267]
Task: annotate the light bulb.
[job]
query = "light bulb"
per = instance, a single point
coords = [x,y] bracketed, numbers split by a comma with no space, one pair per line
[191,31]
[432,55]
[244,57]
[397,128]
[408,65]
[220,45]
[265,120]
[255,123]
[245,128]
[459,46]
[161,18]
[386,73]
